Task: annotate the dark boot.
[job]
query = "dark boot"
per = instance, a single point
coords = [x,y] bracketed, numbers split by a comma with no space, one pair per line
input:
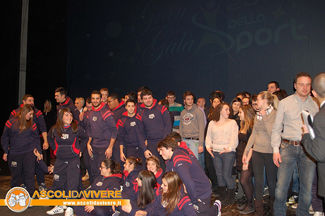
[222,193]
[249,207]
[258,208]
[230,198]
[241,203]
[271,201]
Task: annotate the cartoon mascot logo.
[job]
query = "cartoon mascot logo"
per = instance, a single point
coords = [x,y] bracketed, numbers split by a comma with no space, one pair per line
[18,199]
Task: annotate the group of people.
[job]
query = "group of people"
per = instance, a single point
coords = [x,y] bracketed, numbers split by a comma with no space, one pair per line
[168,157]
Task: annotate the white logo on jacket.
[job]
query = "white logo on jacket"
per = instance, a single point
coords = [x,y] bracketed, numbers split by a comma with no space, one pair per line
[65,136]
[132,124]
[127,184]
[94,118]
[56,177]
[14,163]
[188,118]
[151,116]
[99,184]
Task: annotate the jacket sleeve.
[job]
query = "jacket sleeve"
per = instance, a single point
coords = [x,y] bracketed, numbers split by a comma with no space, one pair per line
[50,138]
[250,142]
[5,138]
[209,138]
[268,121]
[43,166]
[167,123]
[83,138]
[201,123]
[121,133]
[109,120]
[36,138]
[277,128]
[234,136]
[41,121]
[186,206]
[315,147]
[152,210]
[141,135]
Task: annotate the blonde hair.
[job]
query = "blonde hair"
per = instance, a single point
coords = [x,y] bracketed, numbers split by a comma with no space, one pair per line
[271,98]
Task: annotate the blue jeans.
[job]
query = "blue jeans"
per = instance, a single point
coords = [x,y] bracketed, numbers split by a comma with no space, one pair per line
[193,145]
[223,164]
[291,154]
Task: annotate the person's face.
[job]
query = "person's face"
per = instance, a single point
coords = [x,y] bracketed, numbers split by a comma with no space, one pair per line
[95,100]
[189,100]
[245,101]
[128,166]
[47,104]
[261,103]
[78,104]
[166,154]
[29,101]
[303,86]
[139,97]
[235,106]
[58,97]
[67,118]
[171,99]
[215,102]
[164,186]
[29,115]
[104,96]
[112,103]
[89,106]
[148,100]
[225,112]
[103,170]
[139,181]
[241,115]
[152,166]
[200,102]
[271,88]
[254,105]
[130,107]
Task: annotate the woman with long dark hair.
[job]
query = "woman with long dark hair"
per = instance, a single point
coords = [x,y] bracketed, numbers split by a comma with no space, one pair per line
[19,139]
[221,143]
[64,139]
[110,179]
[246,115]
[262,151]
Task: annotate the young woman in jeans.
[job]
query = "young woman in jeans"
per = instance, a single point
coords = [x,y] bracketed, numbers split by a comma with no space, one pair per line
[262,152]
[221,143]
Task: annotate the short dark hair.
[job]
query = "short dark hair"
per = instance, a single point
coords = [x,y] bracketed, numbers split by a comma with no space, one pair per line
[171,93]
[27,96]
[301,74]
[176,136]
[221,95]
[142,88]
[61,90]
[164,102]
[96,92]
[281,94]
[104,89]
[146,92]
[276,84]
[188,93]
[132,95]
[254,97]
[247,93]
[115,96]
[168,142]
[130,101]
[214,95]
[88,100]
[241,93]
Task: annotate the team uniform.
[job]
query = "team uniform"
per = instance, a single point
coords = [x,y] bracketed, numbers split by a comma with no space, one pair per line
[158,176]
[38,118]
[101,127]
[157,126]
[183,208]
[68,103]
[131,136]
[130,185]
[20,146]
[109,183]
[66,149]
[193,176]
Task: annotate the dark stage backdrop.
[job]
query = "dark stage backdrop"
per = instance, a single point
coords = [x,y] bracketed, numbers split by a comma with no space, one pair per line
[196,45]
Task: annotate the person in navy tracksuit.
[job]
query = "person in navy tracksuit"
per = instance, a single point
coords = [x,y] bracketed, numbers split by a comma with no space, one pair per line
[65,102]
[172,199]
[110,179]
[19,139]
[131,134]
[102,131]
[153,165]
[116,105]
[197,183]
[156,121]
[64,139]
[38,118]
[147,190]
[132,167]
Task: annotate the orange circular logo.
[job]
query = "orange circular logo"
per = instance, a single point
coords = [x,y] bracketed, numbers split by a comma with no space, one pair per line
[17,199]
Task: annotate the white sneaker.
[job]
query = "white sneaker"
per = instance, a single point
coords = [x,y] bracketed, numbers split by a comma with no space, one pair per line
[311,210]
[55,210]
[218,203]
[69,212]
[317,213]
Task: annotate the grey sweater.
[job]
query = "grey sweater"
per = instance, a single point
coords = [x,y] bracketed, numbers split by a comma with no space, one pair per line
[192,124]
[261,135]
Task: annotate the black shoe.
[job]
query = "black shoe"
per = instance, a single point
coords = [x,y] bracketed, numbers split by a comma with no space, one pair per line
[241,203]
